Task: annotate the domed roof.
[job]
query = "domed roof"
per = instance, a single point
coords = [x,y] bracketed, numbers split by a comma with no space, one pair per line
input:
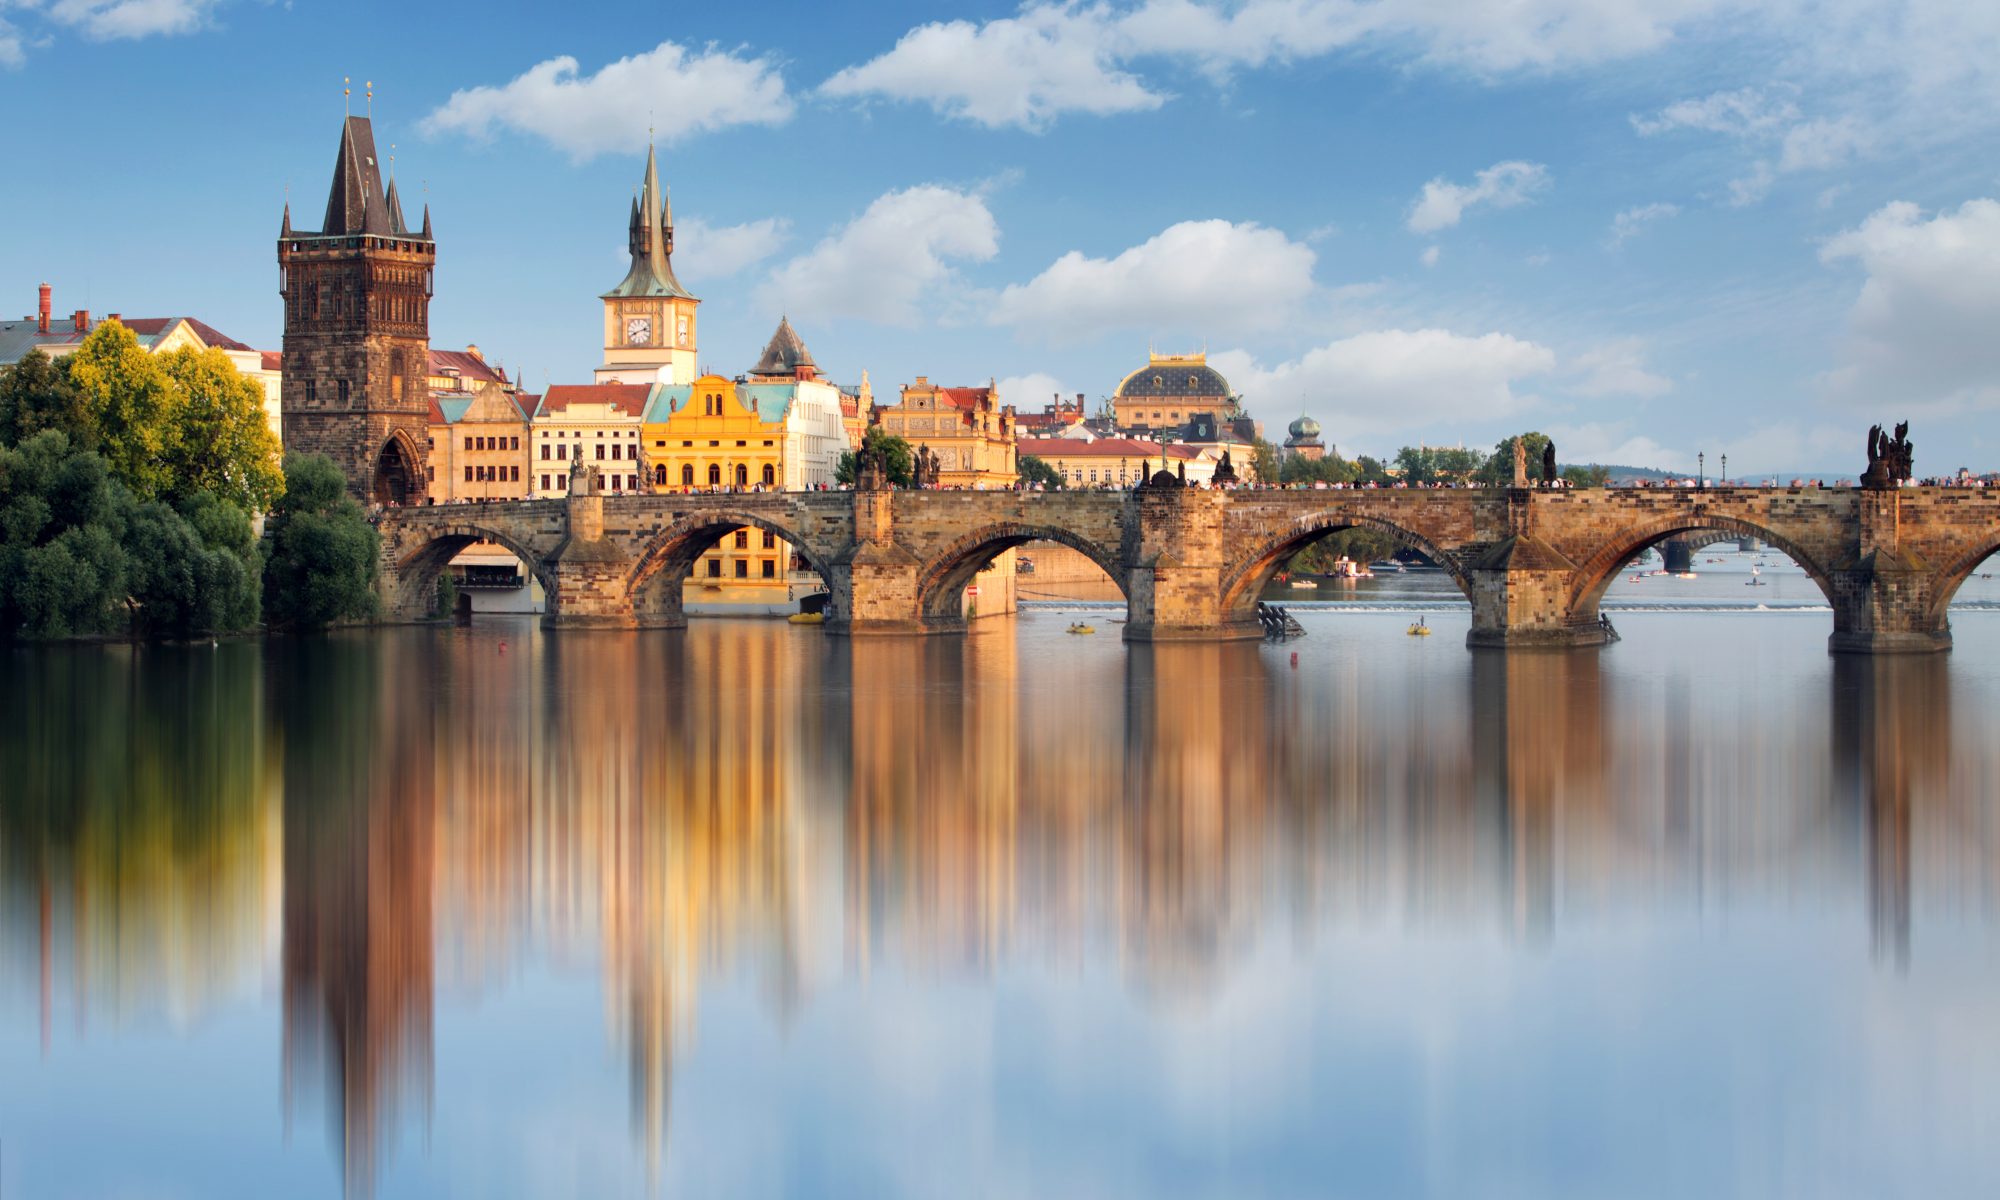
[1174,376]
[1305,429]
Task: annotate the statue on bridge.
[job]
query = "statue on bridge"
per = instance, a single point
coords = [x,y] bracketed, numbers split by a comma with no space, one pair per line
[1889,458]
[583,480]
[925,471]
[1549,464]
[1225,471]
[1520,463]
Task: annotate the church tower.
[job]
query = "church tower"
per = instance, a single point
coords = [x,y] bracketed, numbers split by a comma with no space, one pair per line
[649,333]
[357,330]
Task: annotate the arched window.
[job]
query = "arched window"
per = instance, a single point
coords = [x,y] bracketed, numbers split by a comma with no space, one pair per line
[770,475]
[715,474]
[742,475]
[687,475]
[660,475]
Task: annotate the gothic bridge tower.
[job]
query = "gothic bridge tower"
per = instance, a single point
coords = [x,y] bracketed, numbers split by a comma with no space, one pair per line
[357,330]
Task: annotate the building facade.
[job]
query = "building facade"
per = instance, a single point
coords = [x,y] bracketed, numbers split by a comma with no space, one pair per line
[649,318]
[1170,391]
[480,444]
[595,424]
[1120,462]
[966,427]
[357,299]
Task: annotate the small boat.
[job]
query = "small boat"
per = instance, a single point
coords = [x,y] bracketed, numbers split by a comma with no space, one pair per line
[1419,629]
[1754,581]
[1685,575]
[1303,583]
[1080,627]
[812,618]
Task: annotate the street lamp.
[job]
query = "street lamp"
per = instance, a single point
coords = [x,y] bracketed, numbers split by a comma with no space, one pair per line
[1700,470]
[1725,470]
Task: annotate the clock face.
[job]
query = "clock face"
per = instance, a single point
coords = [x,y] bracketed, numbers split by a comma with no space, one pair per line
[639,331]
[683,330]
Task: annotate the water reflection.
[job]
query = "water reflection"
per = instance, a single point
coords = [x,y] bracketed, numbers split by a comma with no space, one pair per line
[406,823]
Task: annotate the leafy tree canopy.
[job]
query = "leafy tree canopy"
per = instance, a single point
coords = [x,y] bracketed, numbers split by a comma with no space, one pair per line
[130,405]
[320,550]
[36,394]
[222,445]
[63,564]
[1033,470]
[899,458]
[1499,467]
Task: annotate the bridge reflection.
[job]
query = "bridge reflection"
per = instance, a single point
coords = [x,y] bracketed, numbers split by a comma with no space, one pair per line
[758,804]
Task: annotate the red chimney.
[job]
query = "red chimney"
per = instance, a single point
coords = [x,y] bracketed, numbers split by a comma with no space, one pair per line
[42,318]
[82,318]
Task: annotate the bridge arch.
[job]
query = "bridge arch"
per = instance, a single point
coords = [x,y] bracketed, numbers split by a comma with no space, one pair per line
[417,569]
[395,479]
[1244,579]
[1946,583]
[1595,574]
[944,576]
[668,558]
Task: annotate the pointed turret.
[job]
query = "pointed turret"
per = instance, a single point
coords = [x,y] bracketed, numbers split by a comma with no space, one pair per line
[667,219]
[396,225]
[357,203]
[427,222]
[649,240]
[285,230]
[786,354]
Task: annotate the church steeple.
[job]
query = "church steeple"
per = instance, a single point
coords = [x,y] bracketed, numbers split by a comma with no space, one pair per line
[650,238]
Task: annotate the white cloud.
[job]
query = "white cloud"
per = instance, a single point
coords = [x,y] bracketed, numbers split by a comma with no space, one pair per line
[703,251]
[11,54]
[1921,329]
[111,20]
[1394,379]
[1749,189]
[1503,185]
[1820,144]
[1021,70]
[1032,392]
[1430,256]
[1773,125]
[1616,369]
[1742,113]
[588,115]
[1611,445]
[891,264]
[1194,277]
[1627,224]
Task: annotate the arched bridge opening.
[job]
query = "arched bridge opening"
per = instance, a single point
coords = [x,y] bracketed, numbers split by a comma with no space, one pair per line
[1972,578]
[1245,580]
[751,545]
[942,597]
[414,590]
[1618,559]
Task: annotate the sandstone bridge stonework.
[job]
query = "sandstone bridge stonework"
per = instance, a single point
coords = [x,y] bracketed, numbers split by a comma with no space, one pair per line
[1533,563]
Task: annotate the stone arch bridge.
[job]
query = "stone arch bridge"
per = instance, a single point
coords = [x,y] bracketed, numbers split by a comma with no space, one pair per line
[1191,562]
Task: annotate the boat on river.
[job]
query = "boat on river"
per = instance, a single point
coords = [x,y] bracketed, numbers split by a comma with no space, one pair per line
[1080,627]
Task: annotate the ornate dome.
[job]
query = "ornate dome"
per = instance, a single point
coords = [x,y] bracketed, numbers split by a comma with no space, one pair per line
[1305,429]
[1174,376]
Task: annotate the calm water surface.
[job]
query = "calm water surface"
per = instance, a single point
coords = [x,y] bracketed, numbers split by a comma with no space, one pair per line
[750,911]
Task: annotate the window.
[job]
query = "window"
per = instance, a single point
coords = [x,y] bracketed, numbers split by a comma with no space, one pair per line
[632,482]
[468,474]
[468,443]
[562,450]
[770,475]
[616,452]
[600,453]
[545,452]
[545,483]
[343,391]
[715,568]
[770,567]
[742,568]
[617,483]
[513,443]
[741,443]
[312,391]
[742,475]
[770,540]
[513,474]
[715,474]
[742,539]
[687,475]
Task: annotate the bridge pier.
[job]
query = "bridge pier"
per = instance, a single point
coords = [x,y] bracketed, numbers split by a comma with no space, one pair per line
[593,586]
[1521,591]
[1883,599]
[1175,588]
[1677,556]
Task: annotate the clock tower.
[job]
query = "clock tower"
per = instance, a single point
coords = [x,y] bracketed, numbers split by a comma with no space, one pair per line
[649,318]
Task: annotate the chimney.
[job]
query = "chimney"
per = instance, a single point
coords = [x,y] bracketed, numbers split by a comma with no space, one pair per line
[81,318]
[474,352]
[113,317]
[42,313]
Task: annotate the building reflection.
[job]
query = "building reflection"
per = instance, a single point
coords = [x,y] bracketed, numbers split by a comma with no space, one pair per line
[415,814]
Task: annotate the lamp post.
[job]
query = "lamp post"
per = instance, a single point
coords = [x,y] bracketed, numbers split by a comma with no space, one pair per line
[1725,470]
[1700,471]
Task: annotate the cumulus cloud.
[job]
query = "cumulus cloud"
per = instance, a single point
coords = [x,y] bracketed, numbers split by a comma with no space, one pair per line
[1742,113]
[1021,70]
[703,251]
[893,263]
[1920,333]
[1503,185]
[11,54]
[113,20]
[681,92]
[1430,256]
[1196,276]
[1785,140]
[1033,391]
[1395,378]
[1630,222]
[1616,369]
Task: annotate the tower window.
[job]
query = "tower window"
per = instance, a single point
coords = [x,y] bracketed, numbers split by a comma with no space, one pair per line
[343,391]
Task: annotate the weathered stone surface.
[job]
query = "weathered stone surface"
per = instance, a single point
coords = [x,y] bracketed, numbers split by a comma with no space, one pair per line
[1192,562]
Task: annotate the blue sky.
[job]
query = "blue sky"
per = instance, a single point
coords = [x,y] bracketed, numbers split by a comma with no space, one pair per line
[1650,227]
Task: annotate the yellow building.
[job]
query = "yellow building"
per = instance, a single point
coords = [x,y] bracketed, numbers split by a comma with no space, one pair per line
[1120,462]
[966,427]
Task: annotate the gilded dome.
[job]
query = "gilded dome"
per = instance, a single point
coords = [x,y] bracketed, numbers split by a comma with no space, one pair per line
[1174,376]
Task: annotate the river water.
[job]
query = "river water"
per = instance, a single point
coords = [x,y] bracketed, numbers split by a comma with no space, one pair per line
[750,911]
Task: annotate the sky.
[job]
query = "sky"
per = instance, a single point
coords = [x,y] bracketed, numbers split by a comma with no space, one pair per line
[1651,228]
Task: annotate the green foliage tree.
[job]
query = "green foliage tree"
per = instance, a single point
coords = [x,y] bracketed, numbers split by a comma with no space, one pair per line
[180,585]
[1438,464]
[131,407]
[36,394]
[1499,467]
[1370,470]
[222,444]
[1589,476]
[320,551]
[899,458]
[1033,470]
[1331,469]
[1264,468]
[63,565]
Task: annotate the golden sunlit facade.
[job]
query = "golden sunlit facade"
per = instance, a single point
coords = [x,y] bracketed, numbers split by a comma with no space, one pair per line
[968,429]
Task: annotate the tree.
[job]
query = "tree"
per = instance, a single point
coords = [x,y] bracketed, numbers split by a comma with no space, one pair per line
[1370,470]
[1265,465]
[63,564]
[129,402]
[1033,470]
[898,458]
[320,551]
[1499,467]
[1587,477]
[180,586]
[1330,469]
[35,394]
[1437,464]
[222,443]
